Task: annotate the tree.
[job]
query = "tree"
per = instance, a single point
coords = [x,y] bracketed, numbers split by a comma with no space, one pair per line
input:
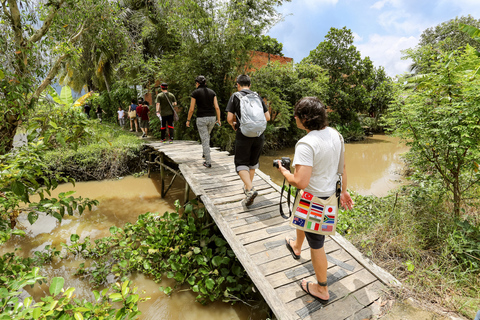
[269,45]
[445,37]
[350,76]
[32,57]
[440,121]
[282,85]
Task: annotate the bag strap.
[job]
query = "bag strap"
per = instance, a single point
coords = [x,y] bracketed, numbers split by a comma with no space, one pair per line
[166,96]
[284,216]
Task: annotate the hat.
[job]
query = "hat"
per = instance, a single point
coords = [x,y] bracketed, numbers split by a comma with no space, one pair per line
[164,85]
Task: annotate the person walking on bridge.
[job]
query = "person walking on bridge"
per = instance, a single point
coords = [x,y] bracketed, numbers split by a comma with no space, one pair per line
[165,102]
[249,137]
[208,114]
[316,161]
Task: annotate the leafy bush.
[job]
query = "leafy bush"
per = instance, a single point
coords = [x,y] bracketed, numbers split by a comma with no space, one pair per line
[180,247]
[116,155]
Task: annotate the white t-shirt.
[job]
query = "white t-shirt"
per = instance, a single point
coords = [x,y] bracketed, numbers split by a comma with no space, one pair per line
[121,113]
[320,149]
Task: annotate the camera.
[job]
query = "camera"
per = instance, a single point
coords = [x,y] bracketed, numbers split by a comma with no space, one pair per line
[285,161]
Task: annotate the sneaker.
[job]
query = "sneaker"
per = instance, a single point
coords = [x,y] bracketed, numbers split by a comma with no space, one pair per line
[250,196]
[171,141]
[131,130]
[164,141]
[144,135]
[207,165]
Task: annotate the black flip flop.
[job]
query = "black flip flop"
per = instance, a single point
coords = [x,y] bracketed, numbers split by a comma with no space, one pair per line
[289,247]
[322,301]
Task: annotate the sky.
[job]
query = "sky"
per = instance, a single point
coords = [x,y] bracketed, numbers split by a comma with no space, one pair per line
[382,28]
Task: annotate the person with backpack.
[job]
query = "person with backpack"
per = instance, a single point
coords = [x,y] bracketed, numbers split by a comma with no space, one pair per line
[207,105]
[132,114]
[248,116]
[164,106]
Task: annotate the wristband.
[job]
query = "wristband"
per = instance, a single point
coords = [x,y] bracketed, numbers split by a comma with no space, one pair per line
[188,120]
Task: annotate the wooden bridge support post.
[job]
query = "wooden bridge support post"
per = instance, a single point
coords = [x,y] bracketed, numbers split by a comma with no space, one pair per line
[187,191]
[162,175]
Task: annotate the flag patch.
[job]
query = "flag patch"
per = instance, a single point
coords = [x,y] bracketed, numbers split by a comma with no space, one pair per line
[328,228]
[302,213]
[304,204]
[298,221]
[307,196]
[317,207]
[313,225]
[329,219]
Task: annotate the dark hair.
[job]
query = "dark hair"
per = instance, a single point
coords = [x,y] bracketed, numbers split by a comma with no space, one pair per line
[164,86]
[134,100]
[312,113]
[201,80]
[145,103]
[244,80]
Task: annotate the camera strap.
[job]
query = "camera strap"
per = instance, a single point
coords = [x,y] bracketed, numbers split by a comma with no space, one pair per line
[288,200]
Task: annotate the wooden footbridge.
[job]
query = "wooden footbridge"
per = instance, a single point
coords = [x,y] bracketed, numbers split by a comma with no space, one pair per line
[257,236]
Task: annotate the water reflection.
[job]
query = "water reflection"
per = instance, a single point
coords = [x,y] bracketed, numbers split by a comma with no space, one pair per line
[121,201]
[373,165]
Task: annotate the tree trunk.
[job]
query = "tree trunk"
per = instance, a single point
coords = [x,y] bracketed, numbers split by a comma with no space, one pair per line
[7,132]
[456,197]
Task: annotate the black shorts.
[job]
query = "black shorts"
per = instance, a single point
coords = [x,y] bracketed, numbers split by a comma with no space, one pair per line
[247,151]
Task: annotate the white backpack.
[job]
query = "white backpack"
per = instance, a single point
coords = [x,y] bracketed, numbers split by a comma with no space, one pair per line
[252,119]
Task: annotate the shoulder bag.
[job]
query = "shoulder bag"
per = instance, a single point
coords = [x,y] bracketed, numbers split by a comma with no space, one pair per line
[175,115]
[132,114]
[316,215]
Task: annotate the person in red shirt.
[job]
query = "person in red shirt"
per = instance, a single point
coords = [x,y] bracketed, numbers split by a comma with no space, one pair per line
[142,113]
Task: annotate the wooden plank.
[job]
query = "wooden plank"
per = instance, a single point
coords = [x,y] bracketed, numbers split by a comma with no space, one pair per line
[354,301]
[381,274]
[280,278]
[287,262]
[258,225]
[276,304]
[292,290]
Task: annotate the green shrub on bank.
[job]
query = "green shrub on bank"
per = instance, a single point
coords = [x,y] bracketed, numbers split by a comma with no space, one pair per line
[415,235]
[115,155]
[184,247]
[16,273]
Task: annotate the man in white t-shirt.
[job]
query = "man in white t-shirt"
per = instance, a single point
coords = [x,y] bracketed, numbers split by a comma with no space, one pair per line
[121,117]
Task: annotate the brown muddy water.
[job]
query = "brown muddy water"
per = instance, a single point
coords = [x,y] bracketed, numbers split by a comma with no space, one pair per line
[373,168]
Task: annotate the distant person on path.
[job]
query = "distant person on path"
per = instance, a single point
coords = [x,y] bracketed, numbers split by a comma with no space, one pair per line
[86,109]
[208,114]
[132,114]
[165,102]
[316,162]
[247,149]
[142,112]
[99,113]
[121,117]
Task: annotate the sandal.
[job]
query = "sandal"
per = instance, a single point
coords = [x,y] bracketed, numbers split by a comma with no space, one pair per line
[289,247]
[323,284]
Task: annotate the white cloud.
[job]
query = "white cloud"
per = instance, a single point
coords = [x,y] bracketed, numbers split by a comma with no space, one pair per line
[386,51]
[357,37]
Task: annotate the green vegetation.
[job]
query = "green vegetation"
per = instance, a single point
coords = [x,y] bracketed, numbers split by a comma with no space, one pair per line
[426,234]
[183,247]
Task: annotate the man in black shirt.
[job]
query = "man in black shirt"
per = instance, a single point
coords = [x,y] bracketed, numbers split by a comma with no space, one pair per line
[247,149]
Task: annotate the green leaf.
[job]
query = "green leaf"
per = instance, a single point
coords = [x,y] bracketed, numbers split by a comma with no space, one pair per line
[32,217]
[18,188]
[217,260]
[2,75]
[209,283]
[66,95]
[115,297]
[56,285]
